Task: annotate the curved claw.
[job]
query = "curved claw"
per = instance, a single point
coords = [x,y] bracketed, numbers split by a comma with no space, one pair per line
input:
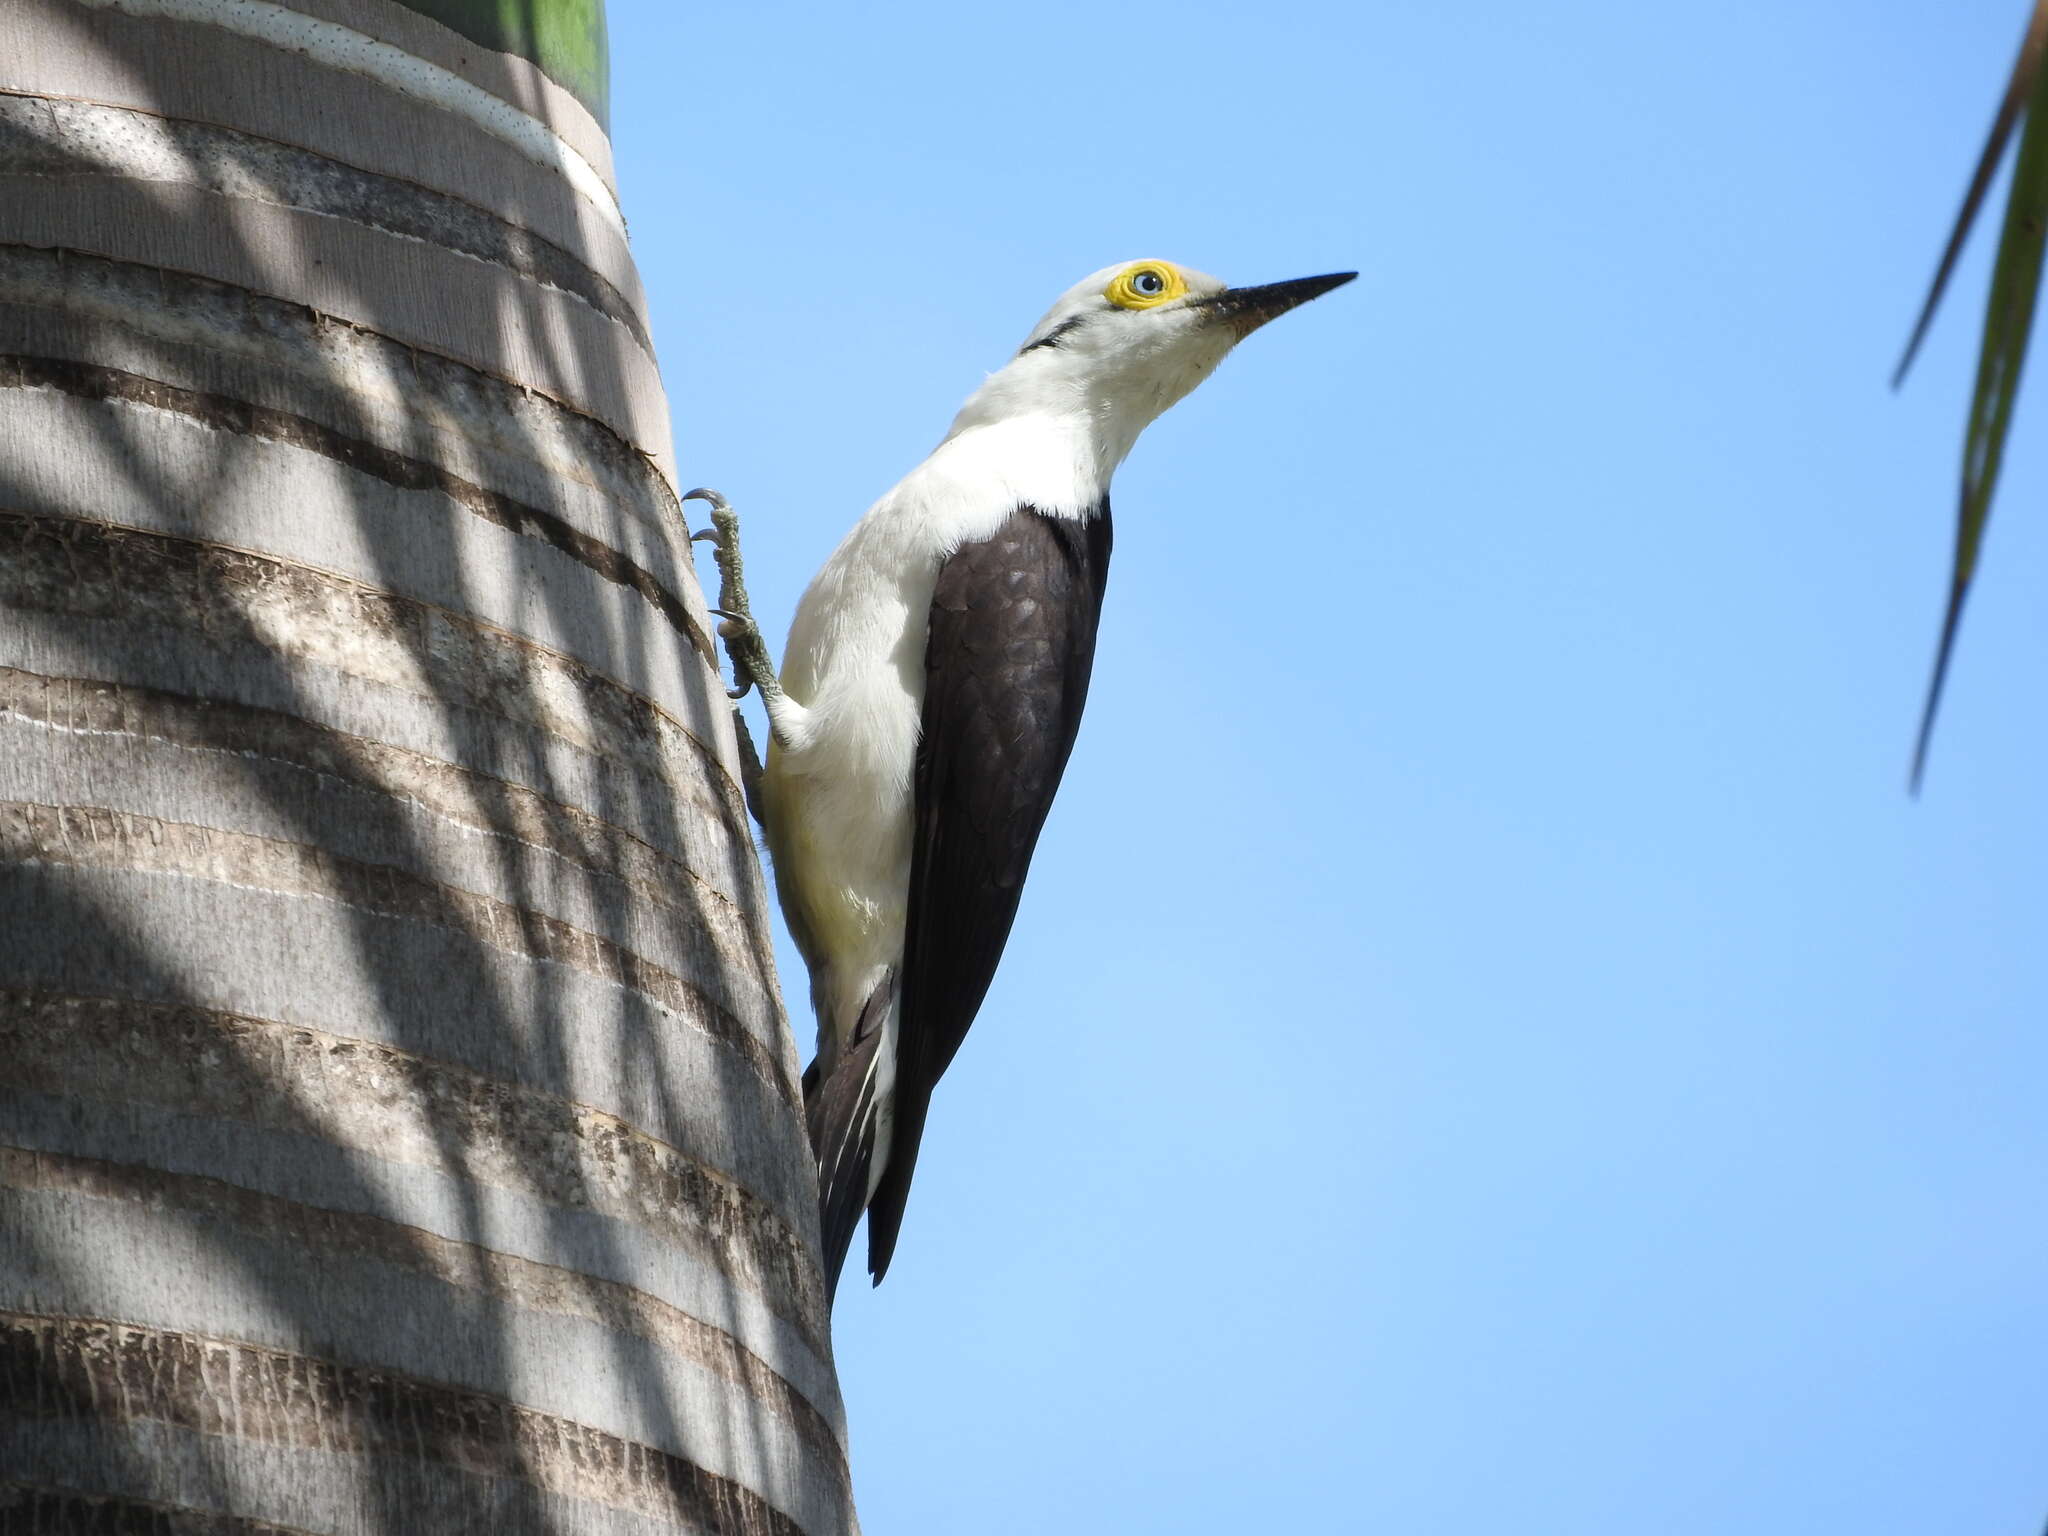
[751,666]
[721,509]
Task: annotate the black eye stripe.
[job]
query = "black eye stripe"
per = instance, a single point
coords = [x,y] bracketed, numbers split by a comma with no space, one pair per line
[1052,337]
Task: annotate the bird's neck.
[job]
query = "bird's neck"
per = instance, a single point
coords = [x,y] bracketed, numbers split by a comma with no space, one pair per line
[1056,453]
[1059,420]
[1053,463]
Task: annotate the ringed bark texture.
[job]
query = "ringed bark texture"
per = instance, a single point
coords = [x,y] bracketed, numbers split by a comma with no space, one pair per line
[399,1129]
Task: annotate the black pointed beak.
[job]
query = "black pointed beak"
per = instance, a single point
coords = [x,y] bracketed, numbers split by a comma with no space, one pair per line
[1246,309]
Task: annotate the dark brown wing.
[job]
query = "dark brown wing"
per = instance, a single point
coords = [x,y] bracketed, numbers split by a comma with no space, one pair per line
[1007,657]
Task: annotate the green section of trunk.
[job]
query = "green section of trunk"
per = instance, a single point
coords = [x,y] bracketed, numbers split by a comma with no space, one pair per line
[565,38]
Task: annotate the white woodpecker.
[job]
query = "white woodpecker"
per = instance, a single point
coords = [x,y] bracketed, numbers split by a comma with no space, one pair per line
[930,694]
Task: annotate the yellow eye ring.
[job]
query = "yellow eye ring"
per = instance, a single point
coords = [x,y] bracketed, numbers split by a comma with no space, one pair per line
[1146,285]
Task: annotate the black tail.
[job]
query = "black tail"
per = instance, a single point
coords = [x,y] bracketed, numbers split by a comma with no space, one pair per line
[885,1212]
[840,1107]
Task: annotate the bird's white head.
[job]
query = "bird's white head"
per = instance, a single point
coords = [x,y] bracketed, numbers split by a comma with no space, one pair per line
[1123,344]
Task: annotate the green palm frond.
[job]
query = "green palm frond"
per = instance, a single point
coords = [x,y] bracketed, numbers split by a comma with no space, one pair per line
[2008,321]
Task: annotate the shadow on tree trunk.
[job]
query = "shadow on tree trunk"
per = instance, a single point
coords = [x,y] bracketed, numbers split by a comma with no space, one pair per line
[403,1132]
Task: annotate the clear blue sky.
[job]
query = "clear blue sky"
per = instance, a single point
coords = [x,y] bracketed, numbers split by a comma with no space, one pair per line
[1489,1044]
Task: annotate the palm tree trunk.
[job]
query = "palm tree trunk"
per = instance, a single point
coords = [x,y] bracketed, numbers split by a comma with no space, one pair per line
[399,1129]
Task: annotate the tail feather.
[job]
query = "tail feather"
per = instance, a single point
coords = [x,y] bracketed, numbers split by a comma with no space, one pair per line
[892,1189]
[843,1108]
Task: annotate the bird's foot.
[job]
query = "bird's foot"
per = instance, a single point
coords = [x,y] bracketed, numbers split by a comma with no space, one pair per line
[751,665]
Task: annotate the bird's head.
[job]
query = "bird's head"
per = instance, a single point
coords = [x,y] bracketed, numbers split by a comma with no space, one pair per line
[1123,344]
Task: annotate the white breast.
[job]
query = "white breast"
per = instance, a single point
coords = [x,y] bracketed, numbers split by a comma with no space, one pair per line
[839,796]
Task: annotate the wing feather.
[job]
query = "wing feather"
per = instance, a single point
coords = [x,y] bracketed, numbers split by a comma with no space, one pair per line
[1010,645]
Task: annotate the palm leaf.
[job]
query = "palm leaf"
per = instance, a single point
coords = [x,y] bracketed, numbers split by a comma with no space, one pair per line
[2008,321]
[2017,90]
